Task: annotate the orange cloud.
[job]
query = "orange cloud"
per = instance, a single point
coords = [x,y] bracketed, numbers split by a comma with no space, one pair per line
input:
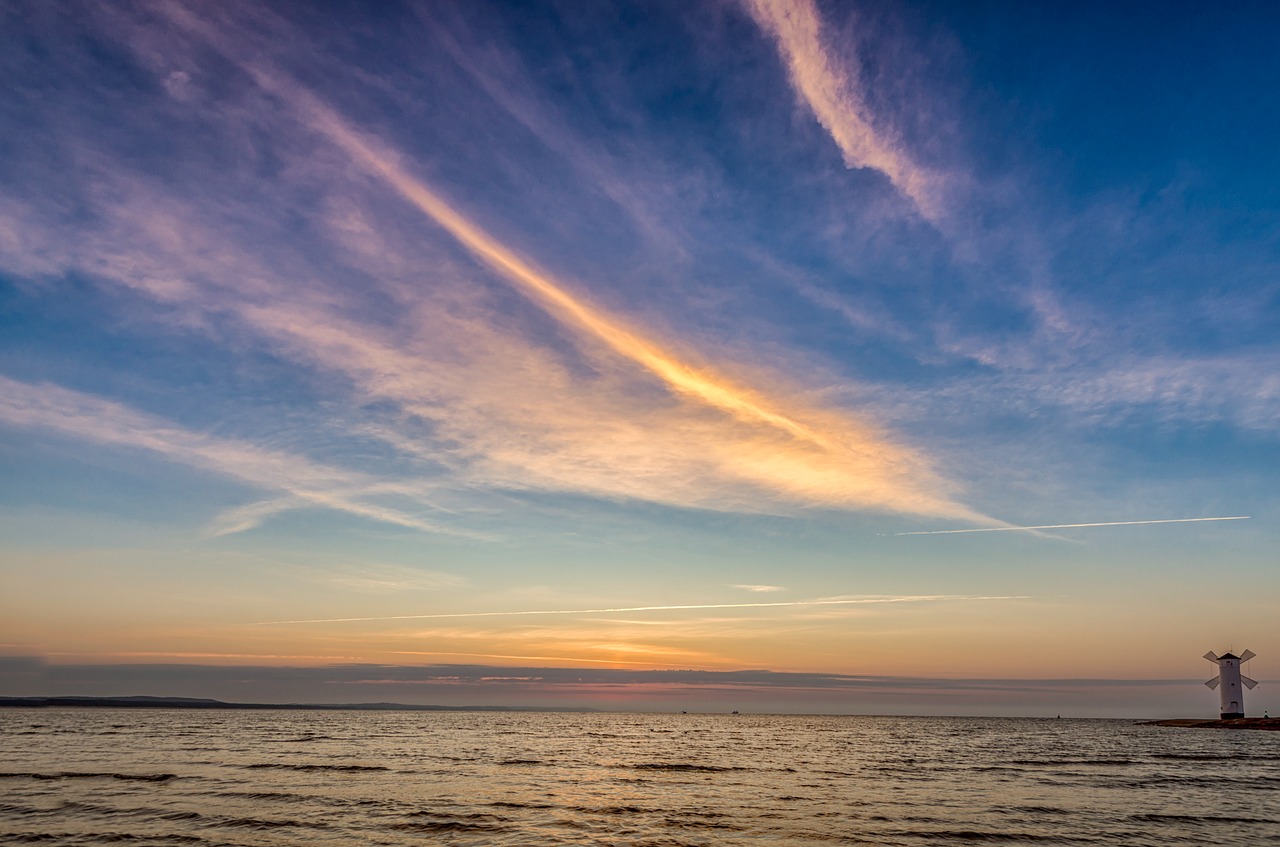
[807,455]
[505,410]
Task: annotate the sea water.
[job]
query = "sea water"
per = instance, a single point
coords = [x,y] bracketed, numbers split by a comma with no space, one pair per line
[196,777]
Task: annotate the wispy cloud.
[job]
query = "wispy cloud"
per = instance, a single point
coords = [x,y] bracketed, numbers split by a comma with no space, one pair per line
[386,579]
[829,87]
[809,454]
[1070,525]
[599,405]
[497,672]
[760,589]
[72,413]
[617,411]
[837,601]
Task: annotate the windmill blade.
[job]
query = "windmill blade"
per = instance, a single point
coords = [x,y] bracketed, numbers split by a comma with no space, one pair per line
[1247,655]
[1211,656]
[1213,683]
[1248,683]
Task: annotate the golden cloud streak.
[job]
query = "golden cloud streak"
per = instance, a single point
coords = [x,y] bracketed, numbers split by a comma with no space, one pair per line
[724,447]
[826,458]
[678,375]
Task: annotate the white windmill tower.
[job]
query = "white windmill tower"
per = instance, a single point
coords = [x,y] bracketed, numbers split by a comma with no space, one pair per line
[1230,679]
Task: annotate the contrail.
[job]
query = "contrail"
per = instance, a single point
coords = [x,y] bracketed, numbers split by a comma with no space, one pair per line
[922,598]
[1070,525]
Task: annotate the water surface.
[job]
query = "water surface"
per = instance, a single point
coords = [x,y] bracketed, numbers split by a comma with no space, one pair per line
[195,777]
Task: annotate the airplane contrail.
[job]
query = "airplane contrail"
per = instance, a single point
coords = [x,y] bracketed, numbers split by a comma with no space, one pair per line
[1070,525]
[838,602]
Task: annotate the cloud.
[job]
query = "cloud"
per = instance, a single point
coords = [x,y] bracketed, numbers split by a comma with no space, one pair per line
[1109,386]
[50,407]
[1071,525]
[760,588]
[833,601]
[386,579]
[525,658]
[501,76]
[244,518]
[598,406]
[829,88]
[810,455]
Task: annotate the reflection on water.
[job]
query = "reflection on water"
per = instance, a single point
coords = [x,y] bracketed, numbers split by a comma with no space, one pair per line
[92,776]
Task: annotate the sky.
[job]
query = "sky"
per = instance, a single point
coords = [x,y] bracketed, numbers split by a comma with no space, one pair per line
[641,356]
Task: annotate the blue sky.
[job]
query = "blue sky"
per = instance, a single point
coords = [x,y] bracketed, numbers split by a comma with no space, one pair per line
[425,312]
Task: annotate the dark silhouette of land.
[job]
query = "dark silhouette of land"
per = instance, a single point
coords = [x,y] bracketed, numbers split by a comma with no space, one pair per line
[144,702]
[1230,723]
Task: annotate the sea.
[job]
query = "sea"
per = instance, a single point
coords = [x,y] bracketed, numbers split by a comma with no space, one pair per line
[212,777]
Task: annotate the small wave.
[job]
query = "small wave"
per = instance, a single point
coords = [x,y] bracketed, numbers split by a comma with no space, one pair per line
[36,837]
[521,762]
[1061,762]
[1211,757]
[1252,783]
[954,835]
[1037,810]
[80,806]
[138,777]
[218,820]
[95,838]
[442,816]
[265,795]
[340,768]
[612,810]
[695,823]
[1155,817]
[678,766]
[506,804]
[77,838]
[260,823]
[446,826]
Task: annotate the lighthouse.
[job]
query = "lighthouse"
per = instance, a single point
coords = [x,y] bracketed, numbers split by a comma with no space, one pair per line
[1230,680]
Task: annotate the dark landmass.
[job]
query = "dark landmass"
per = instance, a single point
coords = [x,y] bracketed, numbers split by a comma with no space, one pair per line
[143,702]
[1233,723]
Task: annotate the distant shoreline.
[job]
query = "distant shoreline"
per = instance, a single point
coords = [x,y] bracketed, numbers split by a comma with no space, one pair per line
[144,702]
[1231,723]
